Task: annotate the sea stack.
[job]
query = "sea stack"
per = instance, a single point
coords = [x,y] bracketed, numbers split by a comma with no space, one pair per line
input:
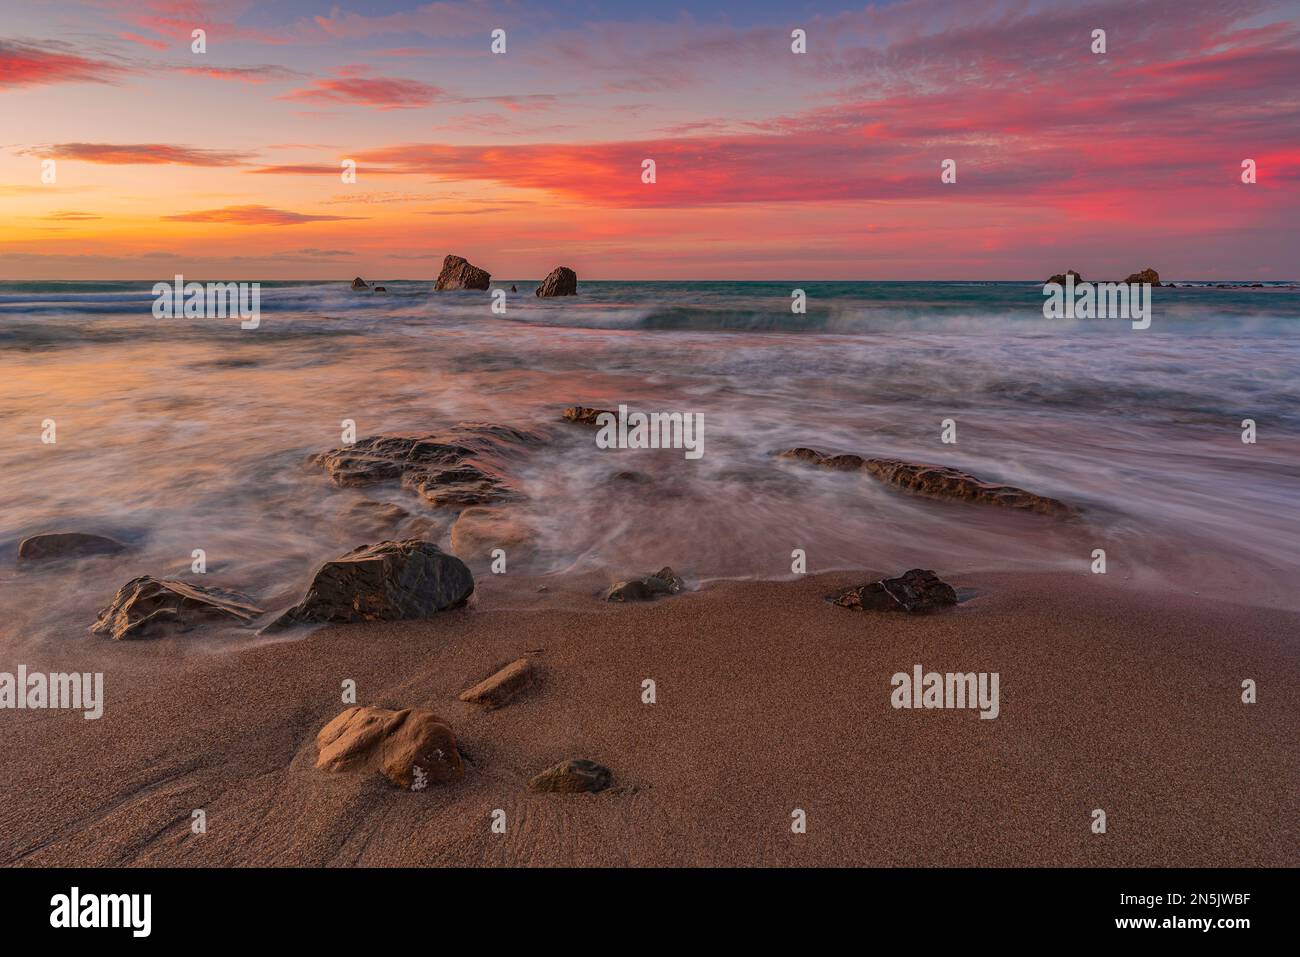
[459,273]
[1146,275]
[562,281]
[359,283]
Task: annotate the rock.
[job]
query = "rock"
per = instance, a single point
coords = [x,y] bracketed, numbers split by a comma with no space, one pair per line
[381,289]
[387,581]
[458,273]
[144,605]
[916,590]
[572,777]
[514,288]
[645,588]
[1059,278]
[935,481]
[53,545]
[479,530]
[461,466]
[561,281]
[585,416]
[413,747]
[359,283]
[1146,275]
[501,687]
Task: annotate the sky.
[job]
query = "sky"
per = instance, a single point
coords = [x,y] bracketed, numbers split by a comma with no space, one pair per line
[228,163]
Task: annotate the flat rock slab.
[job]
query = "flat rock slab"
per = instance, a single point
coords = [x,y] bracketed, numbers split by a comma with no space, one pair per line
[501,687]
[645,588]
[574,776]
[412,748]
[585,416]
[459,273]
[916,590]
[50,546]
[387,581]
[935,481]
[145,606]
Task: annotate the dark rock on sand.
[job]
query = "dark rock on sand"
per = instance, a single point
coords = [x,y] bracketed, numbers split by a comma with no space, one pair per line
[645,588]
[387,581]
[54,545]
[458,273]
[935,481]
[145,605]
[1146,275]
[413,747]
[461,466]
[1059,278]
[572,777]
[585,416]
[501,687]
[561,281]
[359,283]
[916,590]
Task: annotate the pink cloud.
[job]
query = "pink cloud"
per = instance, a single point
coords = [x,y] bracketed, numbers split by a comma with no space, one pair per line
[354,84]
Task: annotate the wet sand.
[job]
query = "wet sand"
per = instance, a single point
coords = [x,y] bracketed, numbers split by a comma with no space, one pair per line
[769,699]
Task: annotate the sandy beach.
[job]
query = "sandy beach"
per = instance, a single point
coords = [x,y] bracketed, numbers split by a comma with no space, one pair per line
[768,699]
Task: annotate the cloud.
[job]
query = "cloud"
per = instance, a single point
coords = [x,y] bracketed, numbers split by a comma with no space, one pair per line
[355,84]
[252,215]
[71,216]
[26,64]
[243,74]
[126,154]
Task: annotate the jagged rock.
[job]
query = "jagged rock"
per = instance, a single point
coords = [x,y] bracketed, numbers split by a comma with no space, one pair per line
[572,777]
[145,605]
[359,283]
[645,588]
[479,530]
[1059,278]
[585,416]
[387,581]
[1146,275]
[501,687]
[458,273]
[413,747]
[54,545]
[916,590]
[461,466]
[561,281]
[935,481]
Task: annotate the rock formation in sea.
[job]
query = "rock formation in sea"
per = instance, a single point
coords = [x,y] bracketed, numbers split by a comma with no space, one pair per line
[49,546]
[412,748]
[583,415]
[916,590]
[575,776]
[1146,275]
[145,606]
[645,588]
[479,530]
[1059,278]
[359,283]
[458,273]
[561,281]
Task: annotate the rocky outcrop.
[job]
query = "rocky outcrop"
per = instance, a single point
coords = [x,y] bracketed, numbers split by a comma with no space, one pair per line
[458,273]
[501,687]
[458,467]
[359,283]
[561,281]
[585,416]
[145,606]
[645,588]
[387,581]
[935,481]
[478,531]
[916,590]
[381,289]
[413,747]
[574,776]
[1145,276]
[1059,278]
[50,546]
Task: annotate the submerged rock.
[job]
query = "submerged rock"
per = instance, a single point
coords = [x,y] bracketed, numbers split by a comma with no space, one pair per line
[48,546]
[502,686]
[561,281]
[585,416]
[458,273]
[1146,275]
[916,590]
[146,605]
[381,289]
[413,747]
[645,588]
[574,776]
[359,283]
[479,530]
[387,581]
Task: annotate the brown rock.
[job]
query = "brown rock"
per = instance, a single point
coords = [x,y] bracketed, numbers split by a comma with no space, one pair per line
[1146,275]
[502,686]
[1059,278]
[359,283]
[458,273]
[645,588]
[53,545]
[479,530]
[413,747]
[916,590]
[145,605]
[561,281]
[585,416]
[572,777]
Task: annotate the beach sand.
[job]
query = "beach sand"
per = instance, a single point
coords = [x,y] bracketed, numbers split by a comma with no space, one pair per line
[768,699]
